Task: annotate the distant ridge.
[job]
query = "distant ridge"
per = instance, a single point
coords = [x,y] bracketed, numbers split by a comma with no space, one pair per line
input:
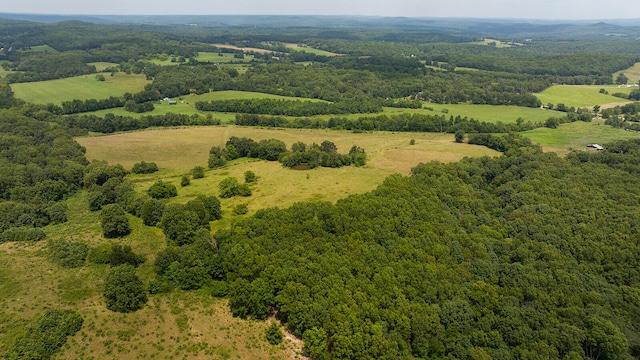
[500,28]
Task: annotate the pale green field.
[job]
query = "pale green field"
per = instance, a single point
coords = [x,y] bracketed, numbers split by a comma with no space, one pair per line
[582,95]
[633,73]
[100,66]
[499,44]
[576,136]
[214,57]
[309,49]
[42,48]
[79,87]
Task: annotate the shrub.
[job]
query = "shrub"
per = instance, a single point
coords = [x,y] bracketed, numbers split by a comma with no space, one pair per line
[230,187]
[114,221]
[249,176]
[23,233]
[197,172]
[274,334]
[185,181]
[219,289]
[57,213]
[459,136]
[123,290]
[162,190]
[240,209]
[144,168]
[69,254]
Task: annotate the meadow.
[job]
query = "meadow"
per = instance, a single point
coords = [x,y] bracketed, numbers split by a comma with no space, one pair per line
[576,136]
[102,65]
[633,73]
[583,95]
[79,87]
[305,48]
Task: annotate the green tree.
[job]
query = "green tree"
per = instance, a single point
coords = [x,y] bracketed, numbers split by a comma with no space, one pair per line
[274,334]
[605,340]
[114,221]
[622,79]
[249,176]
[230,187]
[197,172]
[185,181]
[162,190]
[459,136]
[123,290]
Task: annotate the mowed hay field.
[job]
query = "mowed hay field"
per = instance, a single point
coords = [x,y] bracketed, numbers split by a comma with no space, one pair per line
[583,95]
[79,87]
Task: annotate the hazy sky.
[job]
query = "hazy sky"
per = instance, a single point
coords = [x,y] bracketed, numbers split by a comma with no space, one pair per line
[524,9]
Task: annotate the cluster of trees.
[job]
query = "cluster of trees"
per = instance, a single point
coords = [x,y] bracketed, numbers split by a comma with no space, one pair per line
[80,124]
[292,107]
[523,255]
[40,165]
[403,122]
[326,154]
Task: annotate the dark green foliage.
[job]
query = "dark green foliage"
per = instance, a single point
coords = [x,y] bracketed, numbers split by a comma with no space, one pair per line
[57,213]
[159,286]
[22,234]
[459,136]
[496,257]
[219,289]
[230,187]
[273,334]
[114,221]
[249,176]
[162,190]
[185,180]
[151,212]
[144,168]
[44,335]
[120,255]
[180,225]
[123,290]
[197,172]
[190,266]
[68,253]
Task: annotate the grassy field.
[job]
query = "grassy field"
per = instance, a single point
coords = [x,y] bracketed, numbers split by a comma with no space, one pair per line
[100,66]
[79,87]
[215,57]
[582,95]
[576,136]
[41,48]
[633,73]
[256,50]
[309,49]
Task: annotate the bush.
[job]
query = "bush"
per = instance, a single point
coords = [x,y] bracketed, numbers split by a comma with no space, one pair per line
[230,187]
[159,286]
[219,289]
[114,221]
[240,209]
[69,254]
[185,181]
[144,168]
[123,290]
[274,334]
[23,233]
[249,176]
[197,172]
[162,190]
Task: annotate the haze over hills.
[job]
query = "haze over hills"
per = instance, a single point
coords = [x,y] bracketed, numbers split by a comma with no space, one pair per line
[510,28]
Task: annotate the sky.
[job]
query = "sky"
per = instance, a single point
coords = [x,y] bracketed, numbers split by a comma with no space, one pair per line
[519,9]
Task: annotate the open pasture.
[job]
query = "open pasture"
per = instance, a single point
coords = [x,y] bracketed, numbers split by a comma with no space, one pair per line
[221,58]
[581,95]
[79,87]
[633,73]
[256,50]
[576,136]
[101,65]
[41,49]
[305,48]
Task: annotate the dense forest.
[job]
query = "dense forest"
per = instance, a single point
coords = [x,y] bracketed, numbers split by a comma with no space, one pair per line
[525,255]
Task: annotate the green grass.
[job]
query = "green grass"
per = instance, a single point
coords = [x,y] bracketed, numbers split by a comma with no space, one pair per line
[581,95]
[101,65]
[41,48]
[79,87]
[309,49]
[633,73]
[576,136]
[214,57]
